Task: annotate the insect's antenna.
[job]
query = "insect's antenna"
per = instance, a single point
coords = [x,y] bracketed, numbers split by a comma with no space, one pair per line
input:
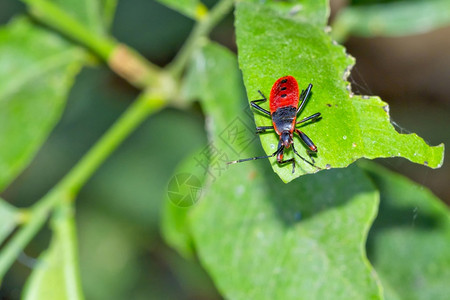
[255,158]
[304,159]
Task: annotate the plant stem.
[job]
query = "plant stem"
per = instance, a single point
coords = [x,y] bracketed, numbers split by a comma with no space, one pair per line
[12,249]
[52,15]
[138,71]
[69,186]
[139,110]
[200,31]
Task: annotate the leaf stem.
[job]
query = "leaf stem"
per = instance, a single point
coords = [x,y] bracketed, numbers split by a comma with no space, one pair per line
[18,242]
[52,15]
[140,74]
[145,105]
[201,29]
[148,103]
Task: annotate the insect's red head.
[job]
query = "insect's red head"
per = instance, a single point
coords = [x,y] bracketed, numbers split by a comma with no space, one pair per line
[286,138]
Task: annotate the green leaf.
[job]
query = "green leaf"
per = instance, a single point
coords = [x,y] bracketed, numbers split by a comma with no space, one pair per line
[397,18]
[191,8]
[261,239]
[296,241]
[96,15]
[56,274]
[9,218]
[37,69]
[306,11]
[272,45]
[409,242]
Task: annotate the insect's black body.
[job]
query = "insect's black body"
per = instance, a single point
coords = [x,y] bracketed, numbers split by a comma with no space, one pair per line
[284,108]
[284,117]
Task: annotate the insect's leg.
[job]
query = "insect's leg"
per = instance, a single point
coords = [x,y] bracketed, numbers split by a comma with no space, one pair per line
[281,161]
[304,159]
[313,117]
[306,140]
[306,93]
[262,129]
[280,148]
[262,95]
[304,96]
[256,106]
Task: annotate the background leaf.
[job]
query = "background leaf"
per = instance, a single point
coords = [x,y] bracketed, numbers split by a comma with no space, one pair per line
[56,274]
[287,242]
[409,242]
[271,46]
[395,18]
[9,219]
[191,8]
[37,69]
[277,241]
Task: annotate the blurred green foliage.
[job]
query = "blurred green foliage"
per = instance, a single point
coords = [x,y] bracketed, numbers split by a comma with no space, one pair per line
[250,230]
[390,18]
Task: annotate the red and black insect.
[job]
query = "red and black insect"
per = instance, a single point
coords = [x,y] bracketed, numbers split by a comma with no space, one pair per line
[284,108]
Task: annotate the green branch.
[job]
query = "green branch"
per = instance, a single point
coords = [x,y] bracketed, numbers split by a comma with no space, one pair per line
[140,109]
[134,68]
[148,103]
[50,14]
[129,64]
[200,31]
